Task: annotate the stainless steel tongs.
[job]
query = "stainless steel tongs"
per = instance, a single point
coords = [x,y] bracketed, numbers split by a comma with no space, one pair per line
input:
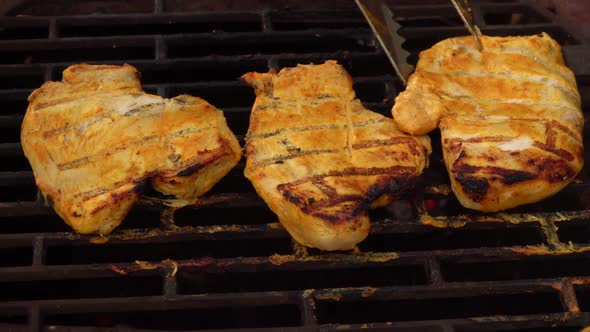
[380,18]
[464,11]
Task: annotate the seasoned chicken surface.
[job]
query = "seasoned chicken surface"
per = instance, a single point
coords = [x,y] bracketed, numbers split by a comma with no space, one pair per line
[510,117]
[95,138]
[319,159]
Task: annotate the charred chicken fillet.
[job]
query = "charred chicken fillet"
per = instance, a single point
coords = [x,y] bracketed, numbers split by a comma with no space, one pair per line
[319,159]
[510,117]
[95,138]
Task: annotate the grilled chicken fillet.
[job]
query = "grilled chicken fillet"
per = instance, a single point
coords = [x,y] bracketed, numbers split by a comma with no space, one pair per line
[510,117]
[319,159]
[96,137]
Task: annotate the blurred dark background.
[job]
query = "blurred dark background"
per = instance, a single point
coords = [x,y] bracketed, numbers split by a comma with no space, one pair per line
[575,13]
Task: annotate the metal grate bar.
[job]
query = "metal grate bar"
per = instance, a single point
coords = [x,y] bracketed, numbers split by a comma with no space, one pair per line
[35,318]
[434,274]
[307,305]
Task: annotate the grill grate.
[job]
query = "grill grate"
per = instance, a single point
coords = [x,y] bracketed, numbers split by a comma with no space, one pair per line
[228,264]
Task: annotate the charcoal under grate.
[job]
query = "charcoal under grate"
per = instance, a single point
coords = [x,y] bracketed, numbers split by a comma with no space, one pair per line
[227,263]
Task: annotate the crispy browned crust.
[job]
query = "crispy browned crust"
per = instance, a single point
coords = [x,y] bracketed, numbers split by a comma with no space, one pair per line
[95,139]
[320,159]
[510,117]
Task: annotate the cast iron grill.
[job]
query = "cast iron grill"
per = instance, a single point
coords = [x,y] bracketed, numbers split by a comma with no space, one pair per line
[227,263]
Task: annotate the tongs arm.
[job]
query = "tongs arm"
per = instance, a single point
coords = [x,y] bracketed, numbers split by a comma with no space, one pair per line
[464,11]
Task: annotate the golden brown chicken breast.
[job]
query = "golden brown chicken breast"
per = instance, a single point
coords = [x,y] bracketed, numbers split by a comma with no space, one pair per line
[510,117]
[95,138]
[319,159]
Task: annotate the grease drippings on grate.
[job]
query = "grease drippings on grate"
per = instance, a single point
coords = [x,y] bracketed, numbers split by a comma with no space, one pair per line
[437,308]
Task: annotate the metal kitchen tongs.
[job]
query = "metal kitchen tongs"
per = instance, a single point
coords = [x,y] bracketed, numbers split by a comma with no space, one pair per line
[464,11]
[380,18]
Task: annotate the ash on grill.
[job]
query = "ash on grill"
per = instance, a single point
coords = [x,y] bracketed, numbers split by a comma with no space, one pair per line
[227,263]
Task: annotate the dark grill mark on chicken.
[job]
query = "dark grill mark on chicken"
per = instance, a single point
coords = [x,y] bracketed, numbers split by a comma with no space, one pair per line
[319,159]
